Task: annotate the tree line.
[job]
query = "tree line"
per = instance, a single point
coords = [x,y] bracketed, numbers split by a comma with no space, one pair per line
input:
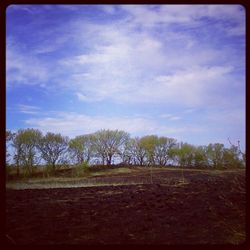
[29,148]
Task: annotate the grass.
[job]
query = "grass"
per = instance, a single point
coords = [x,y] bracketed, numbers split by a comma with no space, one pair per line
[97,177]
[111,172]
[85,180]
[59,184]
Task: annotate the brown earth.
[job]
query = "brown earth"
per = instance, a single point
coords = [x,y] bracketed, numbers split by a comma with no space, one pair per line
[207,208]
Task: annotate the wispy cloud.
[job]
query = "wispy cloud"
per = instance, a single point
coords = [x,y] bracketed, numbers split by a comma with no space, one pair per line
[24,68]
[110,9]
[28,109]
[209,127]
[21,7]
[177,70]
[120,68]
[73,124]
[192,15]
[127,66]
[170,117]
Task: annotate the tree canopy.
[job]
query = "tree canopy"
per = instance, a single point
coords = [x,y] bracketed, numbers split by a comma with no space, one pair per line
[30,147]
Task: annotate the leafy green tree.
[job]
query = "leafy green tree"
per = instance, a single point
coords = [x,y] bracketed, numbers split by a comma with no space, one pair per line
[53,148]
[149,143]
[109,143]
[215,154]
[200,156]
[127,152]
[161,150]
[243,159]
[25,144]
[184,154]
[81,148]
[30,146]
[138,152]
[231,157]
[238,158]
[157,149]
[9,138]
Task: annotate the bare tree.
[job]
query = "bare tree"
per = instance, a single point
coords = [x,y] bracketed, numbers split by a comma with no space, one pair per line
[234,156]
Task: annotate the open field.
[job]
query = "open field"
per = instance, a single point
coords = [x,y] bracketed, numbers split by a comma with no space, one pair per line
[123,207]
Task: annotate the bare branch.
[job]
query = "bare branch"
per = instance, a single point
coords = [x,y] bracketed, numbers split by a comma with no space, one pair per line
[230,141]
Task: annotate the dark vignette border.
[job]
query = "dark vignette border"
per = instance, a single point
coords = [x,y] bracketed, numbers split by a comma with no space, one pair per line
[3,7]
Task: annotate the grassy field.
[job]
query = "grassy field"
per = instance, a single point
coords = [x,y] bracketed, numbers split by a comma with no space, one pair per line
[90,178]
[65,178]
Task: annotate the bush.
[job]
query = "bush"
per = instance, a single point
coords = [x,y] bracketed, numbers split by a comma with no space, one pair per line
[8,171]
[49,170]
[81,169]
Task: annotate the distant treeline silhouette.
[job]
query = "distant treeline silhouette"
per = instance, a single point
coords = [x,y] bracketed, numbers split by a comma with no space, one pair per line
[28,148]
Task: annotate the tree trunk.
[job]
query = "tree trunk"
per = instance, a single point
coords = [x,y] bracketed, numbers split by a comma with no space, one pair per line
[17,170]
[53,167]
[109,160]
[141,161]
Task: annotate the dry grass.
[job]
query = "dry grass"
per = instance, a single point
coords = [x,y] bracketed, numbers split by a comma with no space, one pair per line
[115,176]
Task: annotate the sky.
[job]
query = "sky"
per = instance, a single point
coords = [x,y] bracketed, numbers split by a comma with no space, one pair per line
[168,70]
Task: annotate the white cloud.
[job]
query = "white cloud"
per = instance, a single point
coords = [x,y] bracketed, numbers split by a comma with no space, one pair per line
[170,117]
[215,126]
[228,117]
[110,9]
[175,118]
[189,111]
[73,124]
[125,66]
[28,109]
[165,115]
[48,45]
[24,68]
[170,55]
[85,98]
[236,31]
[129,67]
[193,87]
[21,7]
[37,9]
[190,15]
[227,122]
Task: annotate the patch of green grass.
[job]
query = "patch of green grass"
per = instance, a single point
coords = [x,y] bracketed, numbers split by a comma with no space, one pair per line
[108,172]
[48,185]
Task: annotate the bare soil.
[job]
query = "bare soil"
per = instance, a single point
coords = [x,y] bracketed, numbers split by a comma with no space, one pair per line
[209,207]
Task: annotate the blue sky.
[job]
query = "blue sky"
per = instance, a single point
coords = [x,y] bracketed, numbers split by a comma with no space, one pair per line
[172,70]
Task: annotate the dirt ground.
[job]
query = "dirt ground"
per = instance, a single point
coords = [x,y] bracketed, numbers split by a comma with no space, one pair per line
[207,208]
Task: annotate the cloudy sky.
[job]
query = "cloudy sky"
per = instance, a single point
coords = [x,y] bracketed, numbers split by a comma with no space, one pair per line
[172,70]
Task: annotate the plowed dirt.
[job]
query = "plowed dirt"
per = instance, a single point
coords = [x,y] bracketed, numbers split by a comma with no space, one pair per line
[207,208]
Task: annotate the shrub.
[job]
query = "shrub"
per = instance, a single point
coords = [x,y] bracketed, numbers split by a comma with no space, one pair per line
[8,171]
[81,169]
[48,170]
